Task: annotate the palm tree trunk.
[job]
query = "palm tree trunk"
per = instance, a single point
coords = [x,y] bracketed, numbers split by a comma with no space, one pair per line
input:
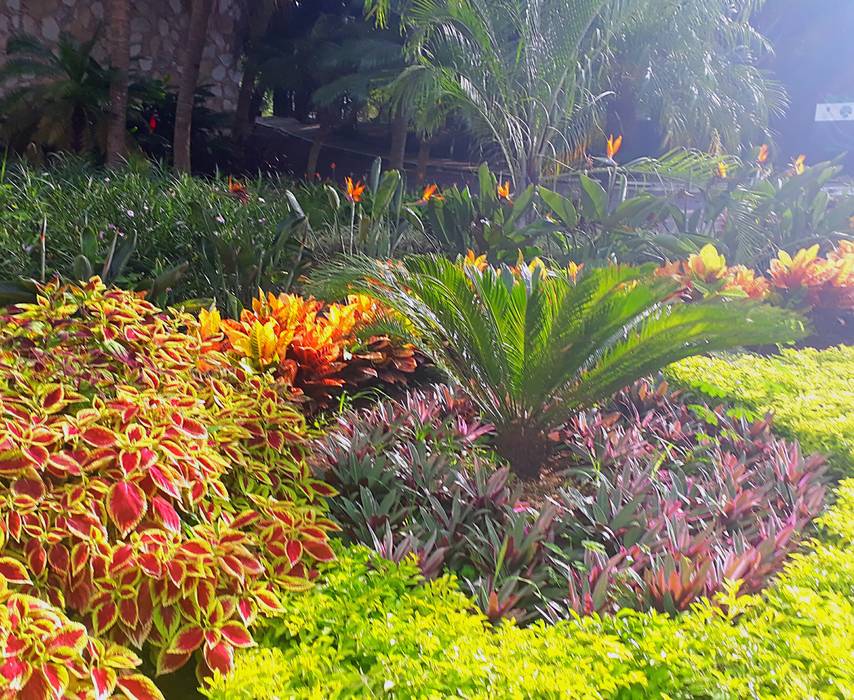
[120,63]
[399,132]
[314,153]
[260,14]
[243,115]
[191,59]
[423,161]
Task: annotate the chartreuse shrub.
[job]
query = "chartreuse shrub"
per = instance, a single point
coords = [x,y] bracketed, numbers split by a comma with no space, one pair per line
[148,487]
[659,502]
[373,629]
[810,392]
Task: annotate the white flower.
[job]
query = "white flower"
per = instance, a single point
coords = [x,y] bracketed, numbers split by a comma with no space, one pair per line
[220,219]
[130,213]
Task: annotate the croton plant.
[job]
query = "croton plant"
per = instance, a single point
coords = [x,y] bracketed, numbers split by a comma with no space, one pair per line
[804,280]
[149,487]
[311,346]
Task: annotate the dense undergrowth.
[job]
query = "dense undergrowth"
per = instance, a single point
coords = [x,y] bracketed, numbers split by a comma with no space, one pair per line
[810,393]
[372,628]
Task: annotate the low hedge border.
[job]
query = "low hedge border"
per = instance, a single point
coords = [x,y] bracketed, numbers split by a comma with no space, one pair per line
[810,392]
[371,629]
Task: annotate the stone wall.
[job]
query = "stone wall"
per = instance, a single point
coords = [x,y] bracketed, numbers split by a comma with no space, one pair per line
[157,32]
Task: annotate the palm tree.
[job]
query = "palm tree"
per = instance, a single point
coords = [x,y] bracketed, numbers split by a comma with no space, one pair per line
[533,78]
[259,13]
[59,98]
[120,64]
[532,346]
[692,67]
[191,59]
[520,73]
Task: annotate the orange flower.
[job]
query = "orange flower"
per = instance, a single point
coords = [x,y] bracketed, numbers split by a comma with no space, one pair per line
[744,279]
[237,189]
[708,265]
[799,164]
[722,170]
[430,192]
[613,145]
[504,191]
[762,157]
[574,269]
[476,261]
[354,190]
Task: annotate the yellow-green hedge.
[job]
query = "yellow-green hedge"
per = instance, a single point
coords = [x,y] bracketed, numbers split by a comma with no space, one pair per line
[370,629]
[810,392]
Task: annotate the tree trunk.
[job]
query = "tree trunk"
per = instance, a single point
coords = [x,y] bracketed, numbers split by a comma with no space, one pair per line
[314,154]
[243,117]
[282,102]
[423,161]
[120,63]
[191,59]
[399,132]
[261,13]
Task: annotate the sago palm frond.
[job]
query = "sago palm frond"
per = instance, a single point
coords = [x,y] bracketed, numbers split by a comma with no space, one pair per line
[530,346]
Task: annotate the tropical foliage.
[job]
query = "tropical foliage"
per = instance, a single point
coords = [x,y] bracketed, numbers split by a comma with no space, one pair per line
[227,238]
[372,624]
[151,490]
[310,347]
[808,391]
[530,345]
[654,503]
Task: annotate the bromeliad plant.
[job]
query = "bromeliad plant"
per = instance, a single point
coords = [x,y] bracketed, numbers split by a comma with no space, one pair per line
[532,344]
[149,487]
[310,346]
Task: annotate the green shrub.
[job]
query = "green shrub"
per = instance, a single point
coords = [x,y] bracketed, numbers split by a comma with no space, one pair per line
[371,630]
[811,393]
[226,234]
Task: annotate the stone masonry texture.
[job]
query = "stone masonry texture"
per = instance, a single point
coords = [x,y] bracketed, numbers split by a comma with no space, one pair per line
[157,32]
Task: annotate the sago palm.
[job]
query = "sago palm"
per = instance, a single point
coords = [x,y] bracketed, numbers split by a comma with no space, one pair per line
[531,346]
[58,99]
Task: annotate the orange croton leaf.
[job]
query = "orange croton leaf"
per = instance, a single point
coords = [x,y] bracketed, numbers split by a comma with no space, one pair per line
[708,265]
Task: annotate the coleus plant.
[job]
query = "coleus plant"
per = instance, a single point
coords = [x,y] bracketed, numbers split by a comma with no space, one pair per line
[43,654]
[149,487]
[311,346]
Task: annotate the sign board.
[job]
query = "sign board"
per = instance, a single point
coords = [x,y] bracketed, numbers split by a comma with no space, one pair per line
[834,112]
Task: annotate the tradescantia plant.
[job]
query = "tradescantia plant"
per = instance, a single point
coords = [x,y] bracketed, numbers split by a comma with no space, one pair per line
[530,345]
[147,486]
